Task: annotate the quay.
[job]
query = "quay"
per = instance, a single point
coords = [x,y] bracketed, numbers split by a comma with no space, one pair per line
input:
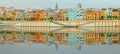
[77,23]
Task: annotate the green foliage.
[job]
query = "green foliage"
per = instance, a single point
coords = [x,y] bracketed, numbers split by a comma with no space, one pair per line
[1,32]
[8,32]
[113,16]
[18,32]
[25,19]
[102,17]
[111,34]
[8,18]
[50,19]
[32,19]
[32,33]
[2,19]
[50,34]
[109,17]
[18,19]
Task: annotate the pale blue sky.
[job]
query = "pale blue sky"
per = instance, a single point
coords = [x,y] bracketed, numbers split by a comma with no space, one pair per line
[61,3]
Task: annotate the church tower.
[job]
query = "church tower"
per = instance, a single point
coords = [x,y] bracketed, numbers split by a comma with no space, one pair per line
[56,6]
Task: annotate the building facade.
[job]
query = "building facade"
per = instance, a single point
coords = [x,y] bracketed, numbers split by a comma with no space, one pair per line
[90,14]
[72,14]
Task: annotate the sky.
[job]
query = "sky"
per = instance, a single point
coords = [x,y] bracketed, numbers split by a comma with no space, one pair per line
[37,4]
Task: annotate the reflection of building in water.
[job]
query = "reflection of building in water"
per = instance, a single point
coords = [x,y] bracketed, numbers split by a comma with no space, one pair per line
[94,38]
[64,38]
[115,38]
[80,40]
[72,38]
[56,39]
[90,38]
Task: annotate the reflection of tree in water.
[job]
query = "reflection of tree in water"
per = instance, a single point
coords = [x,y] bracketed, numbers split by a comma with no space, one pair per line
[50,34]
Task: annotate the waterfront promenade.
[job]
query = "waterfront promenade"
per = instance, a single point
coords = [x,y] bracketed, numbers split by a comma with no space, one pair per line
[63,23]
[62,29]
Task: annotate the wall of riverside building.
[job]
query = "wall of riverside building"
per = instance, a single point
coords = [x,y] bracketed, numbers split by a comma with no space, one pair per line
[64,23]
[35,23]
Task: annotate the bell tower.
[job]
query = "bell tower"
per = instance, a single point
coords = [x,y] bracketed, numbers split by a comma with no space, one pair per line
[56,6]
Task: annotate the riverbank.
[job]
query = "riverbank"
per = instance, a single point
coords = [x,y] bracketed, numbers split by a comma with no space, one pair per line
[63,23]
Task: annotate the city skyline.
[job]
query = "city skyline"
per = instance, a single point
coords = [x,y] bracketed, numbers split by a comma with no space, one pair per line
[38,4]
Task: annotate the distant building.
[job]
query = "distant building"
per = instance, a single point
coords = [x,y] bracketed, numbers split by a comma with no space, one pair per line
[101,14]
[119,12]
[64,14]
[80,12]
[36,15]
[97,14]
[108,13]
[41,14]
[115,13]
[90,14]
[59,16]
[72,14]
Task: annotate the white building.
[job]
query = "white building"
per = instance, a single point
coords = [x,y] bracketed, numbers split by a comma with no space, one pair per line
[81,12]
[108,13]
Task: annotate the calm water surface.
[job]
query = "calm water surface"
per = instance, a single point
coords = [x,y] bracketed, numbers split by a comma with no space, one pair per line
[59,40]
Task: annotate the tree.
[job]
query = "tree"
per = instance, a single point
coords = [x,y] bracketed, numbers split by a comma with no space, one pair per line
[109,17]
[51,18]
[116,17]
[2,19]
[8,19]
[32,19]
[18,19]
[102,17]
[109,35]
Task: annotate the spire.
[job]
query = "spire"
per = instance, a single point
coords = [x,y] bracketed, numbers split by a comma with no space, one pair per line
[56,6]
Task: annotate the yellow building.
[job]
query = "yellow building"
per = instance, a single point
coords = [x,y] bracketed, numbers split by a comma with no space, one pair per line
[90,14]
[101,38]
[115,38]
[115,13]
[11,15]
[64,14]
[95,38]
[119,12]
[101,14]
[90,38]
[41,38]
[41,14]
